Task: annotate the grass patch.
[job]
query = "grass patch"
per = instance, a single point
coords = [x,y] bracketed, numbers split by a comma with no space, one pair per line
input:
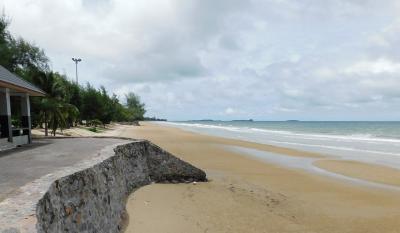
[93,129]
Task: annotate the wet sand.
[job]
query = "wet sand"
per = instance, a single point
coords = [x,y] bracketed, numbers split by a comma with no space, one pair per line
[365,171]
[247,195]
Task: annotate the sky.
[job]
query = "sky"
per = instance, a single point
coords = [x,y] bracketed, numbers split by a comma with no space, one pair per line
[227,59]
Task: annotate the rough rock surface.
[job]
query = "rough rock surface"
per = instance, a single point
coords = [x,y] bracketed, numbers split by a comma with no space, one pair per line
[93,200]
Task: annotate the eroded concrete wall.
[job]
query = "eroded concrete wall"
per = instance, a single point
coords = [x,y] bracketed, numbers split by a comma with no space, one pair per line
[93,200]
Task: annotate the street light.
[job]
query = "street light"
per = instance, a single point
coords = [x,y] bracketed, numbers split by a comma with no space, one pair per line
[76,60]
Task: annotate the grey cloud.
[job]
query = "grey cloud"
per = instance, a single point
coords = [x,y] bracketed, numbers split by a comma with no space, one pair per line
[265,59]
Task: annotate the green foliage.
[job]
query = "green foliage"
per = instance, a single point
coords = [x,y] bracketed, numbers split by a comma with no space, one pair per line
[136,109]
[95,123]
[18,55]
[16,122]
[66,103]
[93,129]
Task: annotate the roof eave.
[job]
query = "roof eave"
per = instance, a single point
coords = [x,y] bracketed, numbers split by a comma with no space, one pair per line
[22,89]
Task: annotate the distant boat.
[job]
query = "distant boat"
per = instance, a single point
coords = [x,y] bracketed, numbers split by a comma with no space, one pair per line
[251,120]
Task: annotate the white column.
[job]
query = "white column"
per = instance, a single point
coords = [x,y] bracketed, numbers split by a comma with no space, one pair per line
[5,114]
[26,116]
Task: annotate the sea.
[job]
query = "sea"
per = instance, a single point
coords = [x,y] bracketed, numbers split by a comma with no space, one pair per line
[366,141]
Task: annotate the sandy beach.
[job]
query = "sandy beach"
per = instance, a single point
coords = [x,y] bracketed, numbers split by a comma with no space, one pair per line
[245,194]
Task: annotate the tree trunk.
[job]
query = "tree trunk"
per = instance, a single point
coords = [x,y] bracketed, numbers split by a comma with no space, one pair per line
[46,126]
[55,124]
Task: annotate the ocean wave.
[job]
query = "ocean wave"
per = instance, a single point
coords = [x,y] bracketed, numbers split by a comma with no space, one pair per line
[359,147]
[366,138]
[337,148]
[369,138]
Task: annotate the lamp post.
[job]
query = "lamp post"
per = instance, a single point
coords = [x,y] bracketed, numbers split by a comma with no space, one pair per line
[76,60]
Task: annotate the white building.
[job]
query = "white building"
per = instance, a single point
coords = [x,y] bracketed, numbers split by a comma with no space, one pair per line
[15,93]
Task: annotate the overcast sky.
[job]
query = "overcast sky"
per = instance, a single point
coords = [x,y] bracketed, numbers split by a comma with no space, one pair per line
[228,59]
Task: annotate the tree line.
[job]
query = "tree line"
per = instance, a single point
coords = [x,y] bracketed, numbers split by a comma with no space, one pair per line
[66,103]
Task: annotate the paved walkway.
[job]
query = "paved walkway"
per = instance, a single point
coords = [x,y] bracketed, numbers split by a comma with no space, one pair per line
[26,172]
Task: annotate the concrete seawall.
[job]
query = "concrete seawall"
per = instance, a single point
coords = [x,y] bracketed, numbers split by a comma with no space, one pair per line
[93,200]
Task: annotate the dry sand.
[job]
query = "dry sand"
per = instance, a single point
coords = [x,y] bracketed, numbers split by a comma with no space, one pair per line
[246,195]
[81,131]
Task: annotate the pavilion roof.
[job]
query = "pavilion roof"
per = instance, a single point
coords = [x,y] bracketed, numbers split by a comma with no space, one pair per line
[12,81]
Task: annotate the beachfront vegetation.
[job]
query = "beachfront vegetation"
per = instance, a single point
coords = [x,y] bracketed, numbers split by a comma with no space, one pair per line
[66,103]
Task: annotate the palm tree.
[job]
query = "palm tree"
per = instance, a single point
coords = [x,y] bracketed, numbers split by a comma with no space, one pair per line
[53,109]
[50,84]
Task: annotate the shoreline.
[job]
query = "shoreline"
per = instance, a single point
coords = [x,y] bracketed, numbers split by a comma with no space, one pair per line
[266,196]
[384,175]
[367,148]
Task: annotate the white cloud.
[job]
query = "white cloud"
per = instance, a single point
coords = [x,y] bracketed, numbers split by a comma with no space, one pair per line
[261,59]
[379,66]
[230,111]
